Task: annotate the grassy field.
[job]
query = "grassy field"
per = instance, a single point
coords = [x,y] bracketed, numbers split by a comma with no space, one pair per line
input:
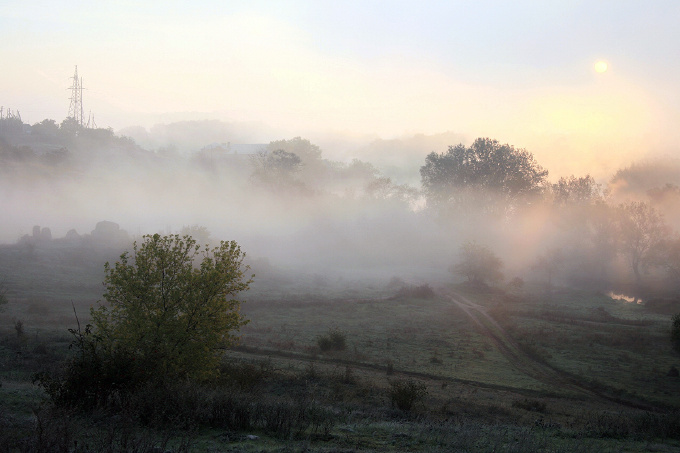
[501,370]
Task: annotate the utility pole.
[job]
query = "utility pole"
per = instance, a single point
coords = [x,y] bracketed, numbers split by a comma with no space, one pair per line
[75,110]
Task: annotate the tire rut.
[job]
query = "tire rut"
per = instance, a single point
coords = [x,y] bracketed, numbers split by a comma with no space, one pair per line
[522,361]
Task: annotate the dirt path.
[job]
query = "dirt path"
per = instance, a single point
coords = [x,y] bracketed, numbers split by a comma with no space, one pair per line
[510,349]
[524,362]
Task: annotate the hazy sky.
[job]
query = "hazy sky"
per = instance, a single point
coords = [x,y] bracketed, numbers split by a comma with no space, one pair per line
[519,71]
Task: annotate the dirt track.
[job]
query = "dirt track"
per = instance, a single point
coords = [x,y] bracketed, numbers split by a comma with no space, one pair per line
[524,362]
[509,347]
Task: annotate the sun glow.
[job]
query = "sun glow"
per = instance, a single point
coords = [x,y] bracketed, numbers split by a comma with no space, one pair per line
[601,66]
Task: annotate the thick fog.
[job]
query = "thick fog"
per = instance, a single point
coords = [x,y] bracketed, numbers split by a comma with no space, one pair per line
[296,206]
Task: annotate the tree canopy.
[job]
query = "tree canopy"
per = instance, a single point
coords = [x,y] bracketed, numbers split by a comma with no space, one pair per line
[277,169]
[171,305]
[642,229]
[486,175]
[312,169]
[579,191]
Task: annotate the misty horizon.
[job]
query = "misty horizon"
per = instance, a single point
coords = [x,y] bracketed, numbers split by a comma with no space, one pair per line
[301,210]
[349,103]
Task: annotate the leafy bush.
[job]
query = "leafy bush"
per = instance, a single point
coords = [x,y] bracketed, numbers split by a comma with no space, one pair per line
[173,304]
[94,376]
[168,317]
[479,264]
[334,340]
[406,394]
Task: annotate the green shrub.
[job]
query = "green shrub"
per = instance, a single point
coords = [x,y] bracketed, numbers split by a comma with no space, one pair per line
[406,394]
[170,311]
[334,340]
[173,304]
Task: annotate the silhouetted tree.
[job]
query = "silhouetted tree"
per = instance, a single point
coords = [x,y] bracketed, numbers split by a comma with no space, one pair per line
[486,175]
[637,179]
[276,169]
[641,229]
[579,191]
[312,170]
[478,264]
[69,128]
[46,129]
[11,153]
[666,254]
[602,240]
[299,146]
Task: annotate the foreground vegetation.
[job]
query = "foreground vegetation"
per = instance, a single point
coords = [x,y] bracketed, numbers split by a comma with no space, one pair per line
[327,370]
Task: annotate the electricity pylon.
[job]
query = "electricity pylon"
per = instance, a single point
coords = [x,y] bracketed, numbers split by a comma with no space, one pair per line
[75,110]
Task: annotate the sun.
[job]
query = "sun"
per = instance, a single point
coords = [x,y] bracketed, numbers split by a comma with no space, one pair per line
[600,66]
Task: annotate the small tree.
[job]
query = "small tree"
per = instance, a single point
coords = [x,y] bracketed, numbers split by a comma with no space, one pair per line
[642,229]
[406,394]
[666,254]
[172,305]
[479,264]
[334,340]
